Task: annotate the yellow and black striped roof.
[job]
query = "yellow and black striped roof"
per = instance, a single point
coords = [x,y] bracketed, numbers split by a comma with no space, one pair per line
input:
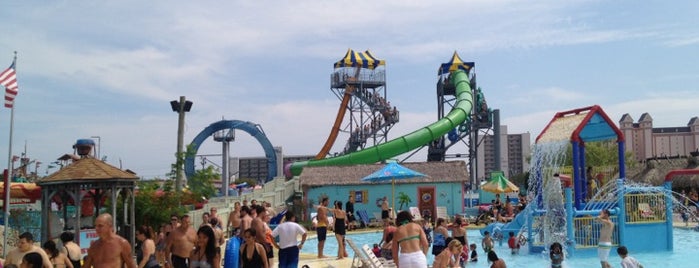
[359,59]
[455,64]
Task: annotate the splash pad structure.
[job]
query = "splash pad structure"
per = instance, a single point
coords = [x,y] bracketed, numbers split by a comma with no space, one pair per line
[559,210]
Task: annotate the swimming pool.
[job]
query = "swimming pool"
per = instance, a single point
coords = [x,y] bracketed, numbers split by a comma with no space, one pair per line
[684,255]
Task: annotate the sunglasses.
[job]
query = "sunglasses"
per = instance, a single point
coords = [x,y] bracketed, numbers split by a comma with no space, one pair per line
[174,219]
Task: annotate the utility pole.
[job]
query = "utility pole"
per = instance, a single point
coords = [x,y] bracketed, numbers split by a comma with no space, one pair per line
[180,107]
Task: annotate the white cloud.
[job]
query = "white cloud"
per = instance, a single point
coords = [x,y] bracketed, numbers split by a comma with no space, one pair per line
[109,69]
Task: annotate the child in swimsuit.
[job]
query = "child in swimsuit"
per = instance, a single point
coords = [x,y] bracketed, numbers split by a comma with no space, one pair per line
[556,255]
[487,242]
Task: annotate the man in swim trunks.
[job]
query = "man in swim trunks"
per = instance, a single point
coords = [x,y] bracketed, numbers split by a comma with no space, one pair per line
[234,220]
[180,243]
[384,209]
[605,238]
[110,250]
[322,228]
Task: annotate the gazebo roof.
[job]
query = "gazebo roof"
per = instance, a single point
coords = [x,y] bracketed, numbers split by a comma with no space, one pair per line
[88,169]
[581,125]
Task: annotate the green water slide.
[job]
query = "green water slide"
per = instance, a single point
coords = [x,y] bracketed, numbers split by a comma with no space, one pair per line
[458,115]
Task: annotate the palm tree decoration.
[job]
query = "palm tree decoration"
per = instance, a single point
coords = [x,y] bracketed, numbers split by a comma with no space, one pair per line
[403,199]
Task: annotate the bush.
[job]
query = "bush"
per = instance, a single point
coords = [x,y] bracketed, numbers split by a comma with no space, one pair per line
[692,162]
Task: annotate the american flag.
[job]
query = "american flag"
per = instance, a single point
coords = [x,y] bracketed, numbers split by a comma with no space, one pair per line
[8,79]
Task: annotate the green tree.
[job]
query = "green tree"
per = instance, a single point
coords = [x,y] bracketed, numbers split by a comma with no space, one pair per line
[201,184]
[598,154]
[154,205]
[179,161]
[403,199]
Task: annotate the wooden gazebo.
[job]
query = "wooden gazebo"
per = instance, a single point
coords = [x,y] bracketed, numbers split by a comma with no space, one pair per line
[87,183]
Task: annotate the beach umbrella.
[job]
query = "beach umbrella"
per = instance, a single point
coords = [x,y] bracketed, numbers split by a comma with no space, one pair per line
[499,184]
[393,171]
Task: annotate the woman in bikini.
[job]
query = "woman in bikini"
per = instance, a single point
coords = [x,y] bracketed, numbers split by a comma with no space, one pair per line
[206,253]
[145,248]
[387,248]
[252,254]
[440,236]
[458,232]
[58,260]
[451,257]
[409,243]
[70,248]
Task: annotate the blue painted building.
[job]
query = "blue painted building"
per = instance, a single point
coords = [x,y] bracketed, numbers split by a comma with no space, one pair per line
[443,187]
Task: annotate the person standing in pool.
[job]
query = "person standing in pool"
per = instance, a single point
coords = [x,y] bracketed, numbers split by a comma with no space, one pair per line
[556,255]
[605,238]
[409,243]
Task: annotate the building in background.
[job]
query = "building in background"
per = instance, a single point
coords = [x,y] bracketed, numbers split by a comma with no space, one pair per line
[256,167]
[646,142]
[515,150]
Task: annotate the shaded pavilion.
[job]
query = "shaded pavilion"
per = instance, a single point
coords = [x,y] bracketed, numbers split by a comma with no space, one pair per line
[87,183]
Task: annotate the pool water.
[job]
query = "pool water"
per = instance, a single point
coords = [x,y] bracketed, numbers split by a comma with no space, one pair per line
[685,253]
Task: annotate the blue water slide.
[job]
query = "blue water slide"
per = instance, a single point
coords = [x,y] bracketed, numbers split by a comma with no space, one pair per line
[516,223]
[501,230]
[251,128]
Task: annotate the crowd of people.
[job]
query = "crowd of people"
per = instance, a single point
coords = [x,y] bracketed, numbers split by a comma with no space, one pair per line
[405,241]
[497,211]
[385,114]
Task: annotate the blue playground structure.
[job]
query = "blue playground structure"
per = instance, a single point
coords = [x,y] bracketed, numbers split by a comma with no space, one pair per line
[561,209]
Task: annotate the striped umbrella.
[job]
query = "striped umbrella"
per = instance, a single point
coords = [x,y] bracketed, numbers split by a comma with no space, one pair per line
[499,184]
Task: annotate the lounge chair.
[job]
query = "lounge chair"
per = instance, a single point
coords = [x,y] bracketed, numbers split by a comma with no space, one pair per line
[369,222]
[360,258]
[372,257]
[362,217]
[415,212]
[442,213]
[377,216]
[277,219]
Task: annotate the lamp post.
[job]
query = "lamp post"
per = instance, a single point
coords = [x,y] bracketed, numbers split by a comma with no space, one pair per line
[99,146]
[180,107]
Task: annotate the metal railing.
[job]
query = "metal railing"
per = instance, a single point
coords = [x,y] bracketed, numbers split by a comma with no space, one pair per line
[645,208]
[274,192]
[587,231]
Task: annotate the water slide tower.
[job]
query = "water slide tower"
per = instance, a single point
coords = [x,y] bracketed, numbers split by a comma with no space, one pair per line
[365,114]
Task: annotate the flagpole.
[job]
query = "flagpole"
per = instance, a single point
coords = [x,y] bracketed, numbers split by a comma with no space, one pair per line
[8,179]
[8,182]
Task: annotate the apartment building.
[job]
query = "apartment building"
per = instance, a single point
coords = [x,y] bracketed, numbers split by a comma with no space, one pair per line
[646,141]
[515,150]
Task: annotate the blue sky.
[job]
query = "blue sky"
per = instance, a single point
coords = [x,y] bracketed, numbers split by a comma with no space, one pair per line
[110,68]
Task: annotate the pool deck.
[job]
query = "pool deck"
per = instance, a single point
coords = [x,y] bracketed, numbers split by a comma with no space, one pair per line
[331,261]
